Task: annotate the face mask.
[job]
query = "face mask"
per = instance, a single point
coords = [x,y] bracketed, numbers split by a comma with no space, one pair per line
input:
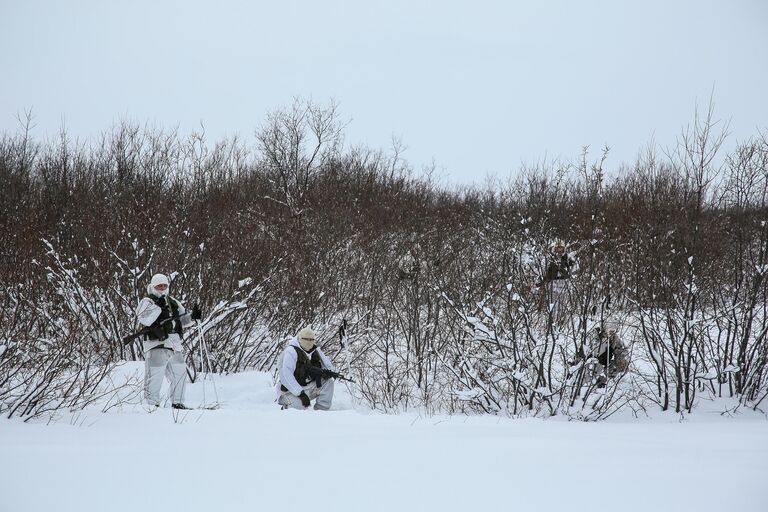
[158,280]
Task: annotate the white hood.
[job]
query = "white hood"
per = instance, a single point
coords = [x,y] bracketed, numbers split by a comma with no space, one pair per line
[156,280]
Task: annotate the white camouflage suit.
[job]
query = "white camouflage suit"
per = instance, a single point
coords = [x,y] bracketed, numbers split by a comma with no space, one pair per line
[287,365]
[600,347]
[560,267]
[163,358]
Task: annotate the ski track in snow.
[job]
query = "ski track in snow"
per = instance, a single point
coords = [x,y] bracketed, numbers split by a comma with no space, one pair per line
[248,455]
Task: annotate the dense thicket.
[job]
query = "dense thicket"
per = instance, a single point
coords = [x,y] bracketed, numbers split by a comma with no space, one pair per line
[296,230]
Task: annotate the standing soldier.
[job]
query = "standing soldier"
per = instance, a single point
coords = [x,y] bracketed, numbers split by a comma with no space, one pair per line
[560,267]
[166,319]
[411,265]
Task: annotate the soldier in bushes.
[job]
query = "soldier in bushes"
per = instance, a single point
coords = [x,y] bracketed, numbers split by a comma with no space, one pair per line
[560,267]
[609,352]
[163,352]
[412,264]
[305,374]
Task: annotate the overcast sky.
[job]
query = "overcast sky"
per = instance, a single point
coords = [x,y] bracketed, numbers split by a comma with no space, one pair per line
[478,86]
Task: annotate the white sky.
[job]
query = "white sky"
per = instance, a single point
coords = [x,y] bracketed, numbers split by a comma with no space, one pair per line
[478,86]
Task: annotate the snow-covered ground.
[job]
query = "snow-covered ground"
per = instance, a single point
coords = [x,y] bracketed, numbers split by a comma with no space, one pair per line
[250,456]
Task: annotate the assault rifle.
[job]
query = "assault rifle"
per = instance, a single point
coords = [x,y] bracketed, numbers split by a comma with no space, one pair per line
[149,330]
[316,374]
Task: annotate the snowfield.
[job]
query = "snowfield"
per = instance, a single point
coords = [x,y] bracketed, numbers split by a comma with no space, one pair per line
[249,456]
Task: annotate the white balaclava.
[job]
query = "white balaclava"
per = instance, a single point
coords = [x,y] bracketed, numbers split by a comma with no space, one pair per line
[156,280]
[306,339]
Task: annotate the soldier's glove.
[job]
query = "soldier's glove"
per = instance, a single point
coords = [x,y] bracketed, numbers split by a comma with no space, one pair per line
[304,399]
[196,313]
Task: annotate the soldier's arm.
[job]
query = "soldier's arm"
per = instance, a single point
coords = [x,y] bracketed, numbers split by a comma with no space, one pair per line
[326,361]
[147,312]
[286,371]
[574,264]
[184,315]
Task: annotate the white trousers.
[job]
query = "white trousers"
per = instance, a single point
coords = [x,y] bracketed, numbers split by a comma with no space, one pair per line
[558,298]
[324,396]
[161,363]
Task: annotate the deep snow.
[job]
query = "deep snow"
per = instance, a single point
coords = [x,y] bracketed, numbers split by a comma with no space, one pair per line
[249,455]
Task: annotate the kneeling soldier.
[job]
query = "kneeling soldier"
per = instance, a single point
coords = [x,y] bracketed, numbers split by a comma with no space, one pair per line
[305,374]
[608,350]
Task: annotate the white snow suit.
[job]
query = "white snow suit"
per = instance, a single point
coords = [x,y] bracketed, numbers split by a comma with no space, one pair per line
[559,270]
[163,357]
[289,397]
[598,346]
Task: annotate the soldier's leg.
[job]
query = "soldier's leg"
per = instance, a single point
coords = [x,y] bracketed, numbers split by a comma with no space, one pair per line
[558,299]
[552,298]
[176,371]
[324,396]
[289,401]
[311,390]
[599,375]
[154,368]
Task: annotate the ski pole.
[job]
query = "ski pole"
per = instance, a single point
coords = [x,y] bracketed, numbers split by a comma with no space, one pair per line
[204,350]
[202,361]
